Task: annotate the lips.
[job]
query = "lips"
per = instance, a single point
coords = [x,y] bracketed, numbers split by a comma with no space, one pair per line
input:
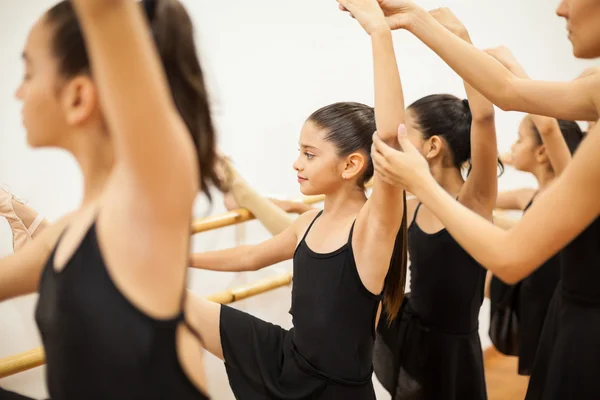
[301,179]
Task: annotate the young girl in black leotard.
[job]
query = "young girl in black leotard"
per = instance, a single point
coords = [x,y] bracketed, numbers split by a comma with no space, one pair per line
[110,310]
[347,259]
[432,350]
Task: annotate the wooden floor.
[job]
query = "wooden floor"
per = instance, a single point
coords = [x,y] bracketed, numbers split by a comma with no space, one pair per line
[503,382]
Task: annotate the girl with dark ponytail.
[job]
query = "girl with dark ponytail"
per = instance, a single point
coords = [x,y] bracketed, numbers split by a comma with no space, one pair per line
[348,259]
[132,108]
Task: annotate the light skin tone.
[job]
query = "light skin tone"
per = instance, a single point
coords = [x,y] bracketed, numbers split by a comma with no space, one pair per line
[479,191]
[545,161]
[542,231]
[128,192]
[321,170]
[574,101]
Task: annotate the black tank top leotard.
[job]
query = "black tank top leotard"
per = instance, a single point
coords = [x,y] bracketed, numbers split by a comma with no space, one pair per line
[432,350]
[567,362]
[98,345]
[327,355]
[529,300]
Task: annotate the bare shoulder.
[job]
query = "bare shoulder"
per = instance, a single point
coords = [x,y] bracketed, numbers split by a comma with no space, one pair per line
[49,237]
[301,224]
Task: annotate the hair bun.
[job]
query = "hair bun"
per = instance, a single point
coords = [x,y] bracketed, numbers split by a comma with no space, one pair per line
[465,103]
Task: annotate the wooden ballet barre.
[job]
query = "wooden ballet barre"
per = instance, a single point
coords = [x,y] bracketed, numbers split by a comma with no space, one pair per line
[240,215]
[35,357]
[21,362]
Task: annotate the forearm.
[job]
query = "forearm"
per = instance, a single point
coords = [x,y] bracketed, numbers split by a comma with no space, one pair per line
[558,151]
[503,222]
[289,206]
[481,108]
[552,137]
[570,101]
[300,208]
[236,259]
[389,99]
[273,217]
[479,69]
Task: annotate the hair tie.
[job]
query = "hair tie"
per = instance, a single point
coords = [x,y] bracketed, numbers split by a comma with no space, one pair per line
[150,9]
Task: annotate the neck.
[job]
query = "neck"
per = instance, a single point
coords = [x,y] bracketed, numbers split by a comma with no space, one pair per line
[544,176]
[95,158]
[449,178]
[344,202]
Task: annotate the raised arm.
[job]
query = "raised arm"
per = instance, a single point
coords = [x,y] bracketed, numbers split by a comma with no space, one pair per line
[513,254]
[151,140]
[383,217]
[384,209]
[481,187]
[571,101]
[549,129]
[252,258]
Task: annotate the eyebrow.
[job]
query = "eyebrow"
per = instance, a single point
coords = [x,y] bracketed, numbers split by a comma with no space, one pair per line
[306,146]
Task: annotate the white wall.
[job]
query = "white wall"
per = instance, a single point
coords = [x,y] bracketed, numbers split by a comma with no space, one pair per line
[270,64]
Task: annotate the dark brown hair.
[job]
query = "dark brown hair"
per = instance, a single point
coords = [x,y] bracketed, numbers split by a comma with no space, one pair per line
[450,118]
[350,127]
[173,35]
[570,130]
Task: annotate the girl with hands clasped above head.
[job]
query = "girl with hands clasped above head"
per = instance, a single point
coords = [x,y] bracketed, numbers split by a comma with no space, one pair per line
[433,350]
[348,258]
[567,362]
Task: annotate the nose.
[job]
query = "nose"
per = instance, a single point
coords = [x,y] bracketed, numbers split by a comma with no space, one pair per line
[563,9]
[19,92]
[297,165]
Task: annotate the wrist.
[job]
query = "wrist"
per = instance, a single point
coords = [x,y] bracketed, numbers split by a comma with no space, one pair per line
[424,186]
[417,20]
[380,29]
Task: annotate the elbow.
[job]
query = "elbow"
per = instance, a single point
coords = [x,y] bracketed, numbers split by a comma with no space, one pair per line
[508,269]
[252,263]
[392,141]
[505,97]
[508,277]
[484,117]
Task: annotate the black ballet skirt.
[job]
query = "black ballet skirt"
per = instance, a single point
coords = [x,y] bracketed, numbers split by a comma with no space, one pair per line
[529,300]
[432,350]
[328,354]
[567,362]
